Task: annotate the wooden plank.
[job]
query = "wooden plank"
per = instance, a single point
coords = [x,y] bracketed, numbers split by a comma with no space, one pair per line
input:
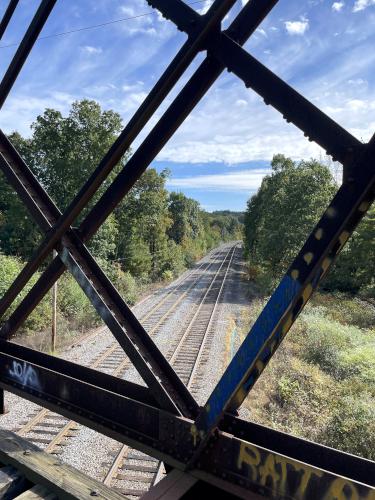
[44,469]
[173,486]
[11,482]
[37,492]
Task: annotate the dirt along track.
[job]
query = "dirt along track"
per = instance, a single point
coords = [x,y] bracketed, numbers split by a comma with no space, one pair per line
[188,322]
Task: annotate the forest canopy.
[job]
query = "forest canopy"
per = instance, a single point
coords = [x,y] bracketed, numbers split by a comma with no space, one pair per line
[152,234]
[283,212]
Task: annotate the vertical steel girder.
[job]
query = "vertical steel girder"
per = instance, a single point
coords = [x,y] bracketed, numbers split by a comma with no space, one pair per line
[209,442]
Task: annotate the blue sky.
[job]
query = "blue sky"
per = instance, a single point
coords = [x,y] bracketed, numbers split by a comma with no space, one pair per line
[323,48]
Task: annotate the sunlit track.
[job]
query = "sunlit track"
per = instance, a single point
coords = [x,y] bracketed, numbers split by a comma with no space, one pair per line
[50,430]
[132,472]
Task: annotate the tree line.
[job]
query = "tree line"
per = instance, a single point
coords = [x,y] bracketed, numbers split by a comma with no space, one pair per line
[284,211]
[152,235]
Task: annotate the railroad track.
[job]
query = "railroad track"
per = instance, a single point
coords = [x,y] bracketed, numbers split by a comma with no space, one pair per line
[50,430]
[133,472]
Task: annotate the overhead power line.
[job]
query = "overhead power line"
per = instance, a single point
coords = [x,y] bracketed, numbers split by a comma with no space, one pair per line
[93,26]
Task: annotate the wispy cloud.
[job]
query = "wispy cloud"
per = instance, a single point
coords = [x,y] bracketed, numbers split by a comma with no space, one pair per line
[88,49]
[362,4]
[243,180]
[337,6]
[297,27]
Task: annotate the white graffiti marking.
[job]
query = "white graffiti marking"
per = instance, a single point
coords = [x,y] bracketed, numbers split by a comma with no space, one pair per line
[24,374]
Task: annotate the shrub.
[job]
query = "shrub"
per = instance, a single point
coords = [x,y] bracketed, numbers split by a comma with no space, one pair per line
[73,304]
[352,426]
[10,267]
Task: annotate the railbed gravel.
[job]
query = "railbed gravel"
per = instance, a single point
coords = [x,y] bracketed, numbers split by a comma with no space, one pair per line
[92,452]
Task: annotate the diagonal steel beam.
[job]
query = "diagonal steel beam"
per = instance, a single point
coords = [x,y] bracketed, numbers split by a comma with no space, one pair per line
[295,108]
[7,16]
[241,28]
[203,27]
[316,257]
[25,47]
[148,360]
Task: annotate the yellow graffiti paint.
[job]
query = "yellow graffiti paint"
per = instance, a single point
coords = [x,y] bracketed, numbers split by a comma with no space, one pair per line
[268,473]
[287,324]
[326,263]
[341,489]
[271,471]
[307,291]
[308,257]
[331,212]
[294,274]
[194,433]
[249,456]
[259,365]
[343,238]
[364,206]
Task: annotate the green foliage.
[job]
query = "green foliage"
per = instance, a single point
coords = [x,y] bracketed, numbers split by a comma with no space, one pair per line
[352,426]
[320,384]
[345,309]
[284,211]
[66,150]
[152,235]
[62,152]
[353,270]
[10,267]
[73,305]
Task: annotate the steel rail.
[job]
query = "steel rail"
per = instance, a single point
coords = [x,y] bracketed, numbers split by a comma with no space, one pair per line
[7,16]
[241,29]
[311,264]
[125,450]
[24,48]
[63,428]
[124,325]
[202,27]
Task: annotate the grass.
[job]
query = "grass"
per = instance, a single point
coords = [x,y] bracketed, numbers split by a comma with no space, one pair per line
[320,384]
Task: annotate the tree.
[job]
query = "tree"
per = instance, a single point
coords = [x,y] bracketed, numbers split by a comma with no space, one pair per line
[353,269]
[185,215]
[144,220]
[284,211]
[62,152]
[66,150]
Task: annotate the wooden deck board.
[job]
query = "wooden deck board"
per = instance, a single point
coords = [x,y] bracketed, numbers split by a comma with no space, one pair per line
[43,469]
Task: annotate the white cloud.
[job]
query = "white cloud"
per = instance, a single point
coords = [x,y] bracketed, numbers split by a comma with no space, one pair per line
[337,6]
[261,31]
[91,50]
[297,27]
[357,81]
[141,22]
[362,4]
[241,102]
[243,180]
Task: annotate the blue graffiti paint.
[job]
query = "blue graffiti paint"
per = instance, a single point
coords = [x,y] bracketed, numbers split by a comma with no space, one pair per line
[241,365]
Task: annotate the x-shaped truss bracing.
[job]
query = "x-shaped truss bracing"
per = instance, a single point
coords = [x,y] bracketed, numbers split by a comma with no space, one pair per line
[164,420]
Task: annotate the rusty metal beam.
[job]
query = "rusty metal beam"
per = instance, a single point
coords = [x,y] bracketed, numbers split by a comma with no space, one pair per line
[7,16]
[25,47]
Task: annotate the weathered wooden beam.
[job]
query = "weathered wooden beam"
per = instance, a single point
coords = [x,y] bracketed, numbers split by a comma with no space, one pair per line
[37,492]
[40,468]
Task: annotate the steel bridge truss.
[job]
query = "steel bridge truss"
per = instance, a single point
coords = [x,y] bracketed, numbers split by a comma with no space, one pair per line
[208,445]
